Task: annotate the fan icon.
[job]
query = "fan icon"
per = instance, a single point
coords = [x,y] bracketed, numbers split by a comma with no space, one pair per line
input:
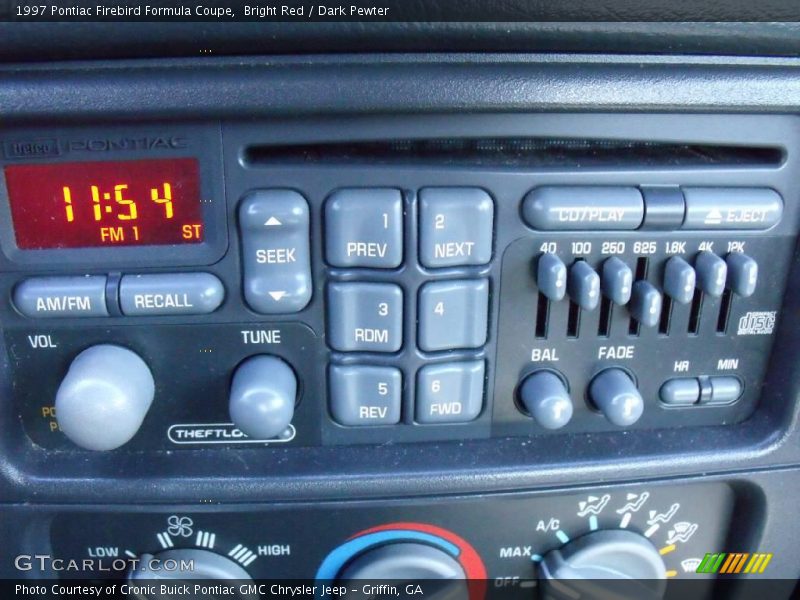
[179,526]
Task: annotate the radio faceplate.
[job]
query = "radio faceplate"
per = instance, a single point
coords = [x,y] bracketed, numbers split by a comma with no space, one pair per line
[421,365]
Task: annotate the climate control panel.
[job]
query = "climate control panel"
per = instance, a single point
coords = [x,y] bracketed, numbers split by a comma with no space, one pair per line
[477,547]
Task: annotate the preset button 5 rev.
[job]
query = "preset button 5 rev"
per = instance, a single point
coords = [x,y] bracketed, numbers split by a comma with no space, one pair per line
[365,395]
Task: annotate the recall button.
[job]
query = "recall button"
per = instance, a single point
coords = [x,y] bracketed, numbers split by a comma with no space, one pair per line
[62,297]
[170,294]
[576,208]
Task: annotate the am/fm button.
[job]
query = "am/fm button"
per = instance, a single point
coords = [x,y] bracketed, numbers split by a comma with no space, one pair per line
[45,297]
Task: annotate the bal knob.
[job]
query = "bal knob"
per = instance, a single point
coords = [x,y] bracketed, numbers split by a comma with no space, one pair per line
[104,397]
[546,399]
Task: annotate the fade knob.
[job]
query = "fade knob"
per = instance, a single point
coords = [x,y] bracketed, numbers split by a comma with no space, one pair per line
[262,398]
[615,394]
[104,397]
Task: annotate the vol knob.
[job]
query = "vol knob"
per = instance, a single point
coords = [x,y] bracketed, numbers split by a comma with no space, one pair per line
[263,393]
[615,394]
[204,565]
[104,397]
[593,559]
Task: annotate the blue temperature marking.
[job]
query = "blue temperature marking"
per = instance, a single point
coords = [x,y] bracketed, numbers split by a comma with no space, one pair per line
[334,562]
[562,536]
[593,523]
[536,557]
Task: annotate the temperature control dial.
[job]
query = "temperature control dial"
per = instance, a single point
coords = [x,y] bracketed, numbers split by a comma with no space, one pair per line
[104,397]
[405,561]
[409,553]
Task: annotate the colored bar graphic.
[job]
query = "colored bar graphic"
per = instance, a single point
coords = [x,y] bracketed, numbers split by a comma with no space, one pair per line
[734,562]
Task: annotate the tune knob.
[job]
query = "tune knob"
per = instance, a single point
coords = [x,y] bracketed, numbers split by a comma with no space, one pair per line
[615,394]
[592,560]
[104,397]
[262,398]
[204,565]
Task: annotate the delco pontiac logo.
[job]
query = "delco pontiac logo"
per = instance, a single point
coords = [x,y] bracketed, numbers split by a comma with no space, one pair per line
[37,148]
[108,144]
[42,148]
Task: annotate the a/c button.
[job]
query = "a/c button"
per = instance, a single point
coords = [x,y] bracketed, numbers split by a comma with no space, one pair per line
[170,294]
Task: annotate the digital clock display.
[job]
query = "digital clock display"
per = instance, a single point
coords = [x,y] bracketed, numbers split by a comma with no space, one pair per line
[94,204]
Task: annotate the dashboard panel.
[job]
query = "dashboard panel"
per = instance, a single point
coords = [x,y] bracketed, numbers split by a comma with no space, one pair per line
[383,335]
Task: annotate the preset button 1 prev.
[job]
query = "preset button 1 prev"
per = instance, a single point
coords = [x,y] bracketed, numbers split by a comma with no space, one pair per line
[364,228]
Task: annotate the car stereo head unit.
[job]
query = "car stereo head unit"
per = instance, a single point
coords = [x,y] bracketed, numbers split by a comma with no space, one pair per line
[274,284]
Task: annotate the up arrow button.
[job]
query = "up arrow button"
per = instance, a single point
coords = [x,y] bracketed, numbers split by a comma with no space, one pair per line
[274,227]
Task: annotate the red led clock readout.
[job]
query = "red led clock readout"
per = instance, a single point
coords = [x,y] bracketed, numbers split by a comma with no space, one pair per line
[92,204]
